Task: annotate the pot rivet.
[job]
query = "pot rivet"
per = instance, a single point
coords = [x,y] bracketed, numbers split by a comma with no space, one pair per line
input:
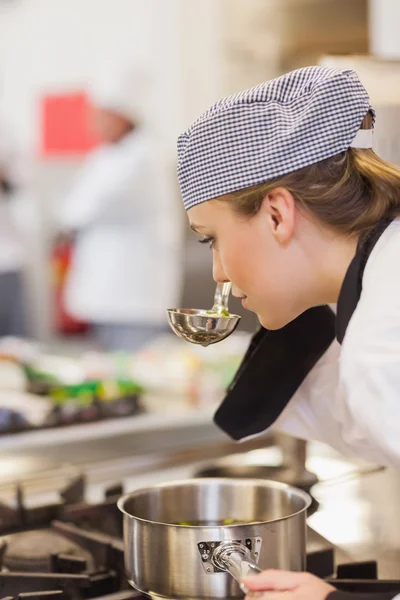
[208,570]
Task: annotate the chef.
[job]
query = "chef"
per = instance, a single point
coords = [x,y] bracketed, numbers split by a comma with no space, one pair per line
[127,261]
[282,183]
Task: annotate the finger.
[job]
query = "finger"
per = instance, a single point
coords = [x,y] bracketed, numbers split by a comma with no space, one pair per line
[273,579]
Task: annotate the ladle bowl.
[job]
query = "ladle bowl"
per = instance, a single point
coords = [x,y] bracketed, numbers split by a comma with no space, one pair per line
[205,327]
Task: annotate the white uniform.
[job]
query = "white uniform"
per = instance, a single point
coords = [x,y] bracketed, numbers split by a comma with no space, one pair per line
[351,398]
[126,267]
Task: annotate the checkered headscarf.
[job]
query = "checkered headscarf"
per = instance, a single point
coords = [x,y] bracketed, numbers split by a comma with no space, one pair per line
[270,130]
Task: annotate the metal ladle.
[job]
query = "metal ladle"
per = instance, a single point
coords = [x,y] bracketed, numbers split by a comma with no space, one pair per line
[205,327]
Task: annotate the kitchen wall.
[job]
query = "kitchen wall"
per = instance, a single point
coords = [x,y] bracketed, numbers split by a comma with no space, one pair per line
[384,17]
[55,46]
[263,39]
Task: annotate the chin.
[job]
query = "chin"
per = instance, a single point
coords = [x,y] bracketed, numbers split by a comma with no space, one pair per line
[277,322]
[273,325]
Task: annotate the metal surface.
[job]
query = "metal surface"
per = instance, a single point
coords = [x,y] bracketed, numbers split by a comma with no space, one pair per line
[360,515]
[162,558]
[300,479]
[200,326]
[292,469]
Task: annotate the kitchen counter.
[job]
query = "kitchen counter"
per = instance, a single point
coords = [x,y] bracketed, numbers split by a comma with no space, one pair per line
[358,503]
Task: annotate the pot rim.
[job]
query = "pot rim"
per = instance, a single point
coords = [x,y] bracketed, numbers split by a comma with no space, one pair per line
[204,480]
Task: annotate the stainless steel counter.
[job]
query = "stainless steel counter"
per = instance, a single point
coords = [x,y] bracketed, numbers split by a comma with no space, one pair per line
[359,504]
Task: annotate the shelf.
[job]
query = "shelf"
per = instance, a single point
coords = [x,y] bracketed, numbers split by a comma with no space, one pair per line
[146,422]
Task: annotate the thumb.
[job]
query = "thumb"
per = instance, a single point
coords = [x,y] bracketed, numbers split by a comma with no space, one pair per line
[273,579]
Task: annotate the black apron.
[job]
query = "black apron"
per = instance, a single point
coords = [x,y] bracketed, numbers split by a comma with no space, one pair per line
[277,362]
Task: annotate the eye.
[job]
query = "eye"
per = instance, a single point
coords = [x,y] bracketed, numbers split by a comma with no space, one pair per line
[207,240]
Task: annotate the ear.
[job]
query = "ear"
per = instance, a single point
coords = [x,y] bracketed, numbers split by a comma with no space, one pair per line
[280,207]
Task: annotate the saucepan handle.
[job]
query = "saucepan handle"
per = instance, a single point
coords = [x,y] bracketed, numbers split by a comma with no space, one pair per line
[235,558]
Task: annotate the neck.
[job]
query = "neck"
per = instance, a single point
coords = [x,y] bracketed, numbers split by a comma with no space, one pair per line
[336,258]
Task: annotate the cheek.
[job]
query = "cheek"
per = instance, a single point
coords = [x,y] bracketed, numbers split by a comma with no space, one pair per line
[244,261]
[277,301]
[257,268]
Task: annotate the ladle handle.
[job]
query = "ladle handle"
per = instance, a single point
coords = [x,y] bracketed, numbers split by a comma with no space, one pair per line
[235,558]
[221,297]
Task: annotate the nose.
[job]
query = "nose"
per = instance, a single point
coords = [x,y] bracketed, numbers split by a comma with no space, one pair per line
[218,272]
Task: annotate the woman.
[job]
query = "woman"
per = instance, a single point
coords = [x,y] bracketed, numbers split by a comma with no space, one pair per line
[281,182]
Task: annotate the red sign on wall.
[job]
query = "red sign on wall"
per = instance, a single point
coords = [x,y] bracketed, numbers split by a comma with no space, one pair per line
[64,125]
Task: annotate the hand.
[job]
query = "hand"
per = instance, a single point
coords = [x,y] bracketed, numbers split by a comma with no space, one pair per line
[287,585]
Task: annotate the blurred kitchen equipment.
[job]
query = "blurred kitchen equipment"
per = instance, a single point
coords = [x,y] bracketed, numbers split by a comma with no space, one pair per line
[61,261]
[272,535]
[205,327]
[291,471]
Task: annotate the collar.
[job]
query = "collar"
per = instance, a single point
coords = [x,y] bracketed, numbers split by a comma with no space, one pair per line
[352,284]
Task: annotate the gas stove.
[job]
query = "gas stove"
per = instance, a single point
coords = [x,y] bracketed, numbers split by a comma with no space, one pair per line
[70,549]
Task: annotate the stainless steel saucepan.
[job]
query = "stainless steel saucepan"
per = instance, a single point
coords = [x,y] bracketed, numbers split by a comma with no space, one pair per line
[197,538]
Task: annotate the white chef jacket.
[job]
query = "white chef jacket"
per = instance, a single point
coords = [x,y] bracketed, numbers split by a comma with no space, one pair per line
[127,261]
[351,398]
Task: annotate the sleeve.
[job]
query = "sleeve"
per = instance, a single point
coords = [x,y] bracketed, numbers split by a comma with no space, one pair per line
[352,400]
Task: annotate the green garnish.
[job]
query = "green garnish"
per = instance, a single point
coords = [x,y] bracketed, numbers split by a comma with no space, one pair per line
[224,313]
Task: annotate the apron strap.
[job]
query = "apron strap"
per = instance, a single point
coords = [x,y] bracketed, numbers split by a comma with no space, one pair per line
[352,285]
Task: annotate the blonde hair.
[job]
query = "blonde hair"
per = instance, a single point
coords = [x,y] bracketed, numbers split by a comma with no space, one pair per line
[350,191]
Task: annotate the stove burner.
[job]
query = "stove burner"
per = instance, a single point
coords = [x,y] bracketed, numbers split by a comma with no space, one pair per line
[34,551]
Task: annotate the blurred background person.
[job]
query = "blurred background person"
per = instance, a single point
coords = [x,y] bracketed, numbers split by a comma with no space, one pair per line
[13,251]
[122,208]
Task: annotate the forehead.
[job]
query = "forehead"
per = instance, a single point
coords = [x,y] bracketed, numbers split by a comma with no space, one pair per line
[207,213]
